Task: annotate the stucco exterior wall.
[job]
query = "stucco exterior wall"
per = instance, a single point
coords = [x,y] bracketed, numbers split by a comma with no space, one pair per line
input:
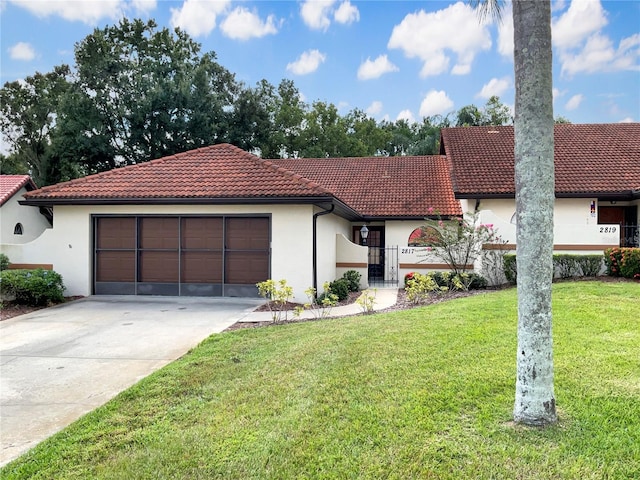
[576,228]
[33,223]
[328,227]
[410,259]
[68,246]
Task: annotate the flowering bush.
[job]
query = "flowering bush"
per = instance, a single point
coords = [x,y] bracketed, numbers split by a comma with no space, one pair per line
[623,262]
[33,287]
[459,241]
[408,277]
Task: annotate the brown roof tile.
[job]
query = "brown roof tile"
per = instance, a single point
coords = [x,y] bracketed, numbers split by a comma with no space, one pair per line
[220,171]
[373,187]
[598,159]
[383,186]
[11,184]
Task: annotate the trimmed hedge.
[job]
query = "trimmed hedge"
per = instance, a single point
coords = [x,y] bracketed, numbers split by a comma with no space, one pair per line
[564,266]
[32,287]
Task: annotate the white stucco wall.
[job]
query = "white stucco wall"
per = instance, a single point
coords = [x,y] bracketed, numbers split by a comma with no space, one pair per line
[68,246]
[576,223]
[327,228]
[33,223]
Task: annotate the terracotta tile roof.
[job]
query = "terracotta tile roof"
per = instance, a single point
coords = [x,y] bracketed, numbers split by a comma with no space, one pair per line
[594,159]
[375,186]
[11,184]
[383,186]
[220,171]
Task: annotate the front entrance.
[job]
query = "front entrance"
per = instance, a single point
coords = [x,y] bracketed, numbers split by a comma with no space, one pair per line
[627,218]
[383,260]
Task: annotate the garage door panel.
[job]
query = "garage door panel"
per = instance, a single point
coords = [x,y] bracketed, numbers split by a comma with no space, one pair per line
[201,267]
[158,233]
[159,267]
[247,268]
[116,266]
[247,233]
[116,233]
[202,233]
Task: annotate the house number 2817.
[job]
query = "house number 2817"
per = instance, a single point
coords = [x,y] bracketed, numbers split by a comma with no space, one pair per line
[608,229]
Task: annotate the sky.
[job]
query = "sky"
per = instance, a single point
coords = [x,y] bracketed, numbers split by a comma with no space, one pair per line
[392,59]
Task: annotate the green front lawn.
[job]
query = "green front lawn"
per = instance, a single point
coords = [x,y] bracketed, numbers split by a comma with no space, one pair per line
[422,393]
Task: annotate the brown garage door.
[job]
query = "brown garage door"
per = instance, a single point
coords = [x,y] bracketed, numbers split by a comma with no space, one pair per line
[190,256]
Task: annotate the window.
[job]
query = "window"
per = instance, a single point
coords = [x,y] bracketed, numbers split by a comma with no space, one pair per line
[17,230]
[424,237]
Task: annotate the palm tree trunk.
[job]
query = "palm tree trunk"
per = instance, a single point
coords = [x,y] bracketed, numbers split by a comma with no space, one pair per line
[534,184]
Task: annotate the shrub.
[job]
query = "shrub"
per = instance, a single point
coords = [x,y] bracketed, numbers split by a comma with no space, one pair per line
[353,279]
[319,306]
[279,293]
[630,265]
[590,265]
[510,268]
[4,262]
[623,262]
[460,281]
[340,287]
[408,277]
[421,286]
[566,266]
[33,287]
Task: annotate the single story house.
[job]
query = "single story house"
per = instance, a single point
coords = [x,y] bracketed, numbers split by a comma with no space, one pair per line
[216,220]
[597,182]
[19,223]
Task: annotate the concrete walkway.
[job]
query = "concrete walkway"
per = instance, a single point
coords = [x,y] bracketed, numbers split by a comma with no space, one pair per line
[59,363]
[384,298]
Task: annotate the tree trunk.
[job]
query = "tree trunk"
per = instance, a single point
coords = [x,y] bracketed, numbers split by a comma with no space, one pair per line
[534,183]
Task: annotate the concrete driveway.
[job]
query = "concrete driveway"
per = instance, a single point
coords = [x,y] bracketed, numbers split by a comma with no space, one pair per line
[59,363]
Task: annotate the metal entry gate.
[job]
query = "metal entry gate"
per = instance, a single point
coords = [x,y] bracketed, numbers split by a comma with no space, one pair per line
[383,266]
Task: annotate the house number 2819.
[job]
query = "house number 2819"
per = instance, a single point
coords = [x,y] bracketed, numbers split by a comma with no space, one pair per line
[608,229]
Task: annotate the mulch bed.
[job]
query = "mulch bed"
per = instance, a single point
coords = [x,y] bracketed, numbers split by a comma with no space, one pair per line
[12,309]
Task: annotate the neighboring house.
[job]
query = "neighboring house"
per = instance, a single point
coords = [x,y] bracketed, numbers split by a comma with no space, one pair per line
[18,223]
[597,176]
[217,220]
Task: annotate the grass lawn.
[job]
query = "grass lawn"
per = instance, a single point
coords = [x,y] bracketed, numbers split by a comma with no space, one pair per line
[422,393]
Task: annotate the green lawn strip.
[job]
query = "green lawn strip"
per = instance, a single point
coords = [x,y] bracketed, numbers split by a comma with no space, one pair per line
[422,393]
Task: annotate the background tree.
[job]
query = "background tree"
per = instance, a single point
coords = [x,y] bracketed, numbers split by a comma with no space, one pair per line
[149,93]
[29,110]
[535,198]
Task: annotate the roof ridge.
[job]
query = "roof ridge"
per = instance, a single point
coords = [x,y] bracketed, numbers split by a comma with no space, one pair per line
[270,165]
[117,170]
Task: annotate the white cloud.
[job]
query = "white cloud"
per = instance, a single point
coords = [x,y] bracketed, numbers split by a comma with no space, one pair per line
[306,63]
[375,108]
[627,120]
[346,13]
[436,102]
[86,12]
[574,102]
[496,86]
[22,51]
[315,13]
[376,68]
[432,36]
[505,33]
[241,24]
[406,115]
[599,55]
[198,17]
[144,6]
[582,19]
[584,48]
